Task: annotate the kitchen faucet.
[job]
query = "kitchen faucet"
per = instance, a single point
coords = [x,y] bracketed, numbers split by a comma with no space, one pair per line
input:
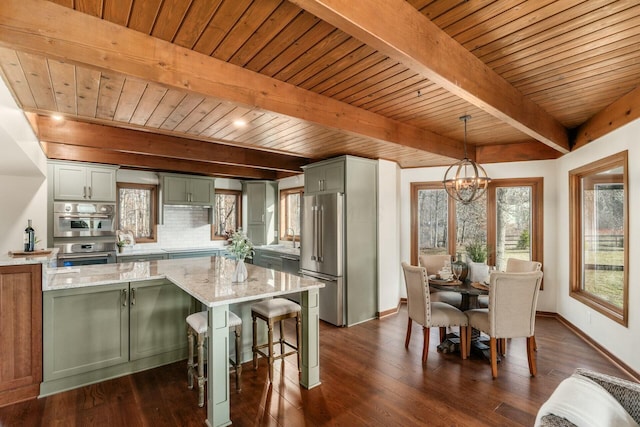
[293,235]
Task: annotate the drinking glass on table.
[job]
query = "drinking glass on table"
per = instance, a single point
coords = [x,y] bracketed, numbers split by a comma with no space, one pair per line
[457,271]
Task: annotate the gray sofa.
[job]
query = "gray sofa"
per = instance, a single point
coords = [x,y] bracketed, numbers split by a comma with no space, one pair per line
[627,393]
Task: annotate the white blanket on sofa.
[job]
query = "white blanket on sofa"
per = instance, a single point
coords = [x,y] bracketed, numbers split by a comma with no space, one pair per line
[586,404]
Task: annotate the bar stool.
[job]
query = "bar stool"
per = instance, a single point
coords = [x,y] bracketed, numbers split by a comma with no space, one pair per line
[197,326]
[274,311]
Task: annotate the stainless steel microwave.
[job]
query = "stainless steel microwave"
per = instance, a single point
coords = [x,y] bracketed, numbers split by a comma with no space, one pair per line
[84,219]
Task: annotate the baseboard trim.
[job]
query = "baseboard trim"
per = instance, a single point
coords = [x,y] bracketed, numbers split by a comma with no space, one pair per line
[391,311]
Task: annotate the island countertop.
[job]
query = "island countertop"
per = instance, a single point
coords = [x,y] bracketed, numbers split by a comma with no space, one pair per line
[207,279]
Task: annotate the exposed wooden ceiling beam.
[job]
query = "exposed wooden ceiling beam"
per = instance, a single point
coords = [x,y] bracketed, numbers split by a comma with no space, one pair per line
[96,155]
[138,142]
[45,28]
[517,152]
[621,112]
[396,29]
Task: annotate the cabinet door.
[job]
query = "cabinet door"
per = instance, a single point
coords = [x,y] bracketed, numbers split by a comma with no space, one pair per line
[85,329]
[313,177]
[334,177]
[101,183]
[201,191]
[256,199]
[175,189]
[21,336]
[70,182]
[158,313]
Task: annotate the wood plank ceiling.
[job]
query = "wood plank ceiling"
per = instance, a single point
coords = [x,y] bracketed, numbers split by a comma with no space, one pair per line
[313,79]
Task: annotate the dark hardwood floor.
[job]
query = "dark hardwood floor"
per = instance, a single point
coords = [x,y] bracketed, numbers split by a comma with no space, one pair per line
[368,378]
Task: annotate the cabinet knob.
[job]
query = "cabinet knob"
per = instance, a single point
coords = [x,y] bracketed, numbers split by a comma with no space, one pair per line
[133,296]
[123,297]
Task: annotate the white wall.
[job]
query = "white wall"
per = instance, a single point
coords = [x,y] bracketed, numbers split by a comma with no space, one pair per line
[23,182]
[622,341]
[389,272]
[545,169]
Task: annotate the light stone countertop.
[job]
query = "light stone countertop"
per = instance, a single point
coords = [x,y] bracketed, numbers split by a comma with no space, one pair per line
[207,279]
[45,259]
[281,248]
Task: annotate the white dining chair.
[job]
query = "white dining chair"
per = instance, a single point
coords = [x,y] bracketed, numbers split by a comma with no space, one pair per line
[513,298]
[433,264]
[429,313]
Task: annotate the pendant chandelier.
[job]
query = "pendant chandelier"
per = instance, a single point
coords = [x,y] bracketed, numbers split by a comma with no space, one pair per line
[465,181]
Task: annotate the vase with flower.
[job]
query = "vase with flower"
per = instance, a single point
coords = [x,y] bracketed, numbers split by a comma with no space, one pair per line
[242,248]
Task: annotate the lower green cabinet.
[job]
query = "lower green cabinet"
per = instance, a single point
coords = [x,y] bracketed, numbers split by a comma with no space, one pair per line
[157,314]
[94,333]
[84,329]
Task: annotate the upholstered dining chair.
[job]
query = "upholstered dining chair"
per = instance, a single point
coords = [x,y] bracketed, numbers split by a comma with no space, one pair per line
[429,313]
[514,265]
[513,298]
[433,264]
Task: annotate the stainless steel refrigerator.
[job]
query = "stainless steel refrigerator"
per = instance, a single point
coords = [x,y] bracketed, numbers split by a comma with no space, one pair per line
[322,252]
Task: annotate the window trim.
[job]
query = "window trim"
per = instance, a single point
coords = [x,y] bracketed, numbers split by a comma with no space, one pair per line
[576,236]
[283,212]
[238,195]
[537,216]
[153,188]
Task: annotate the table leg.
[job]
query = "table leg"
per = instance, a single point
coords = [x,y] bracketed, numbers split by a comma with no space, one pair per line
[218,409]
[310,339]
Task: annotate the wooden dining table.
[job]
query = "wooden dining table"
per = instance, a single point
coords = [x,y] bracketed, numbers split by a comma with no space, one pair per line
[469,292]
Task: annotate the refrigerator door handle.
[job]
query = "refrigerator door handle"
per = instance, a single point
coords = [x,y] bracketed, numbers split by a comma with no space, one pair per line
[314,237]
[317,275]
[320,234]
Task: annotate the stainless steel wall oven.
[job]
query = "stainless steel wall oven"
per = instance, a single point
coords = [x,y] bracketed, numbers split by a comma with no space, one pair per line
[83,219]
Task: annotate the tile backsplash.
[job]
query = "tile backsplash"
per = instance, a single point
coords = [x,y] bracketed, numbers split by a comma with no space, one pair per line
[185,227]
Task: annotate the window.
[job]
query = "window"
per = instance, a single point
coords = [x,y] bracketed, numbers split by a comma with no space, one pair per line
[598,252]
[507,219]
[290,204]
[227,214]
[137,210]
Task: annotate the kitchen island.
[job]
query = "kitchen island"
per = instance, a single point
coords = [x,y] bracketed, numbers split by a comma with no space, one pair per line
[209,281]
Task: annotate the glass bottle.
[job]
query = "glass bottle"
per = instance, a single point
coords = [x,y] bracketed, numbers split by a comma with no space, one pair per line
[29,238]
[465,268]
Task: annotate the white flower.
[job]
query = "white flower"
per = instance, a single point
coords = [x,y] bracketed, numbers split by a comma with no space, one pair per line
[240,245]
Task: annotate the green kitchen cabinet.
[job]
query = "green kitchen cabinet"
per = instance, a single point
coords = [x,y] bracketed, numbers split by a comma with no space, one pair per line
[187,190]
[157,313]
[85,329]
[141,258]
[77,181]
[324,177]
[261,213]
[195,254]
[98,332]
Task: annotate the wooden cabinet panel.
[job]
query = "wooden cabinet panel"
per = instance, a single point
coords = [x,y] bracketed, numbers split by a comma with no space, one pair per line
[21,332]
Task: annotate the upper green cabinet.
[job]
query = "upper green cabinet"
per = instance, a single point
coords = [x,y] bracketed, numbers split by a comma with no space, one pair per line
[187,190]
[84,182]
[324,177]
[261,212]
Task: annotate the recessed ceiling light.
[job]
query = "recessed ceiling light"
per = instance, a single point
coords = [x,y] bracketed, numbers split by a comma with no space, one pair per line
[57,117]
[239,123]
